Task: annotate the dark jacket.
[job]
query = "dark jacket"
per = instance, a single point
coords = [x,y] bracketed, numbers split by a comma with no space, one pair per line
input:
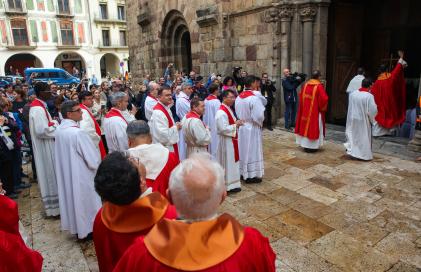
[290,89]
[267,91]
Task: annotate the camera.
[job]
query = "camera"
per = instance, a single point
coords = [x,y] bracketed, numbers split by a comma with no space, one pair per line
[237,68]
[298,77]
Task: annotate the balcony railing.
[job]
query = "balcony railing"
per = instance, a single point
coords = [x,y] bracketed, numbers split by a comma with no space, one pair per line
[112,46]
[98,18]
[22,44]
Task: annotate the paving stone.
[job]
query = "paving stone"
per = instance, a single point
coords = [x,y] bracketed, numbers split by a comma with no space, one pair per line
[325,170]
[284,196]
[356,209]
[404,267]
[366,233]
[338,220]
[349,254]
[272,173]
[396,222]
[245,192]
[282,267]
[300,163]
[260,206]
[320,194]
[329,183]
[298,227]
[311,208]
[292,183]
[271,233]
[264,187]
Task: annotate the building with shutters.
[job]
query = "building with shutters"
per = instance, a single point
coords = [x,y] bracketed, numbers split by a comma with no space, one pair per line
[87,34]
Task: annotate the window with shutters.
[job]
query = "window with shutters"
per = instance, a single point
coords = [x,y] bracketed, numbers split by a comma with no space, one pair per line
[34,31]
[30,4]
[106,37]
[123,40]
[15,5]
[19,32]
[121,13]
[78,6]
[53,27]
[103,11]
[66,31]
[63,6]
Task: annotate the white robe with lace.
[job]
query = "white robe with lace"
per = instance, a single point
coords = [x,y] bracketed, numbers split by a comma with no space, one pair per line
[252,111]
[211,107]
[160,131]
[88,125]
[196,135]
[115,133]
[182,107]
[225,152]
[362,110]
[149,104]
[77,160]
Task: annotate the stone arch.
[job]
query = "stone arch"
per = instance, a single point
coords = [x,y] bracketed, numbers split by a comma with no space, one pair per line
[68,60]
[21,61]
[175,42]
[109,63]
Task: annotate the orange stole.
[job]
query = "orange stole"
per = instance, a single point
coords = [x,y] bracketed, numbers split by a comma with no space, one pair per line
[194,246]
[126,219]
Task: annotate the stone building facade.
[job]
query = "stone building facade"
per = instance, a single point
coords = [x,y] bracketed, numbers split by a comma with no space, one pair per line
[215,36]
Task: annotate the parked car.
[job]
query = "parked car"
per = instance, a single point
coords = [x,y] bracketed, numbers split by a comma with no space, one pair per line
[51,75]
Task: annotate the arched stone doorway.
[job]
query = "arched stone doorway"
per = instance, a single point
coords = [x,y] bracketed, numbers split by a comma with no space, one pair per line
[20,62]
[110,64]
[175,42]
[69,60]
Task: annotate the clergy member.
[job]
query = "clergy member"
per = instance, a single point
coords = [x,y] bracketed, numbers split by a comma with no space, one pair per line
[227,153]
[310,124]
[115,123]
[361,113]
[389,92]
[163,128]
[200,239]
[251,110]
[258,92]
[129,209]
[77,159]
[212,105]
[196,134]
[42,128]
[182,107]
[355,83]
[151,99]
[158,160]
[88,123]
[14,254]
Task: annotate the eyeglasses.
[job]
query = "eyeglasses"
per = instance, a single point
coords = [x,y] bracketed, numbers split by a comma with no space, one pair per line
[78,110]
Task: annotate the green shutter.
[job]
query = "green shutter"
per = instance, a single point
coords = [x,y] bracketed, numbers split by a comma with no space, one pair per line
[1,4]
[78,6]
[53,27]
[50,5]
[30,4]
[34,30]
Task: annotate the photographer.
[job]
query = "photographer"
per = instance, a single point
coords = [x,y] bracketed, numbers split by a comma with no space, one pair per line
[239,77]
[290,82]
[267,90]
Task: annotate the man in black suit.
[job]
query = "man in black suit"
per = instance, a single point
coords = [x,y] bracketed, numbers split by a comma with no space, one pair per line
[267,90]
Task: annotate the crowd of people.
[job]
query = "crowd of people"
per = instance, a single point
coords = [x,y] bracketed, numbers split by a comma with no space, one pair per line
[145,171]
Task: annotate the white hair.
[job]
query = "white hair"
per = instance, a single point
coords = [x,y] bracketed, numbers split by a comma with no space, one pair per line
[117,97]
[189,205]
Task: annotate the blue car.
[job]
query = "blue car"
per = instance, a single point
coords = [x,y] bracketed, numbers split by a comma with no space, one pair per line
[57,76]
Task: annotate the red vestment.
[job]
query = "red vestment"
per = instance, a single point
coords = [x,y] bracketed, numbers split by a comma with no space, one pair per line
[160,184]
[219,245]
[116,227]
[389,92]
[313,101]
[14,254]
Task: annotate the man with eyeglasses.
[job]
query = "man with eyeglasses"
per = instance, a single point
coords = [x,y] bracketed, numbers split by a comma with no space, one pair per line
[42,129]
[77,159]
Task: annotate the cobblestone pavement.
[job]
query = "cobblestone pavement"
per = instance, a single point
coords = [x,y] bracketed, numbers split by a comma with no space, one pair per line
[321,212]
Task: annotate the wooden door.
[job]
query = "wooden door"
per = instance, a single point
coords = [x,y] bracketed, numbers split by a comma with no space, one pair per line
[344,55]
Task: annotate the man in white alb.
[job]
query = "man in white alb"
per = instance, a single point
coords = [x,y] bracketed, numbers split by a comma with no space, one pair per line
[115,123]
[151,99]
[77,159]
[182,107]
[212,105]
[355,83]
[251,110]
[227,152]
[196,135]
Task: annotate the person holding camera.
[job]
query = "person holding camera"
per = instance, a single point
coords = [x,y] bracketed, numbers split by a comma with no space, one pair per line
[267,89]
[290,82]
[239,77]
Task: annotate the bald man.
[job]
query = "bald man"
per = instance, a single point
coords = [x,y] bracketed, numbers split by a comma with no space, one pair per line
[129,209]
[210,242]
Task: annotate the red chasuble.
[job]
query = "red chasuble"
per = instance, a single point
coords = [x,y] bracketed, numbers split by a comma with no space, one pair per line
[234,139]
[313,100]
[116,227]
[221,244]
[14,254]
[98,131]
[160,107]
[389,92]
[160,184]
[38,103]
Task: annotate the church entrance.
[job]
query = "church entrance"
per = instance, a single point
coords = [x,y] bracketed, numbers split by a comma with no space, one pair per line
[367,34]
[175,42]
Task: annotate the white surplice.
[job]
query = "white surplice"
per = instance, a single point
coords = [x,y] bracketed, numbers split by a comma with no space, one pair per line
[149,104]
[355,84]
[43,146]
[305,142]
[361,112]
[115,133]
[182,107]
[196,135]
[128,116]
[252,111]
[261,97]
[211,107]
[225,152]
[378,130]
[160,131]
[88,125]
[77,160]
[153,156]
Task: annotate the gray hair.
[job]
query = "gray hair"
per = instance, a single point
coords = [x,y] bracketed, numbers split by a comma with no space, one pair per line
[137,128]
[152,85]
[189,205]
[67,107]
[117,97]
[185,85]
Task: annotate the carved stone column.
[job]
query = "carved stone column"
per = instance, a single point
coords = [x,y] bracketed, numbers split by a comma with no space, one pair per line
[307,14]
